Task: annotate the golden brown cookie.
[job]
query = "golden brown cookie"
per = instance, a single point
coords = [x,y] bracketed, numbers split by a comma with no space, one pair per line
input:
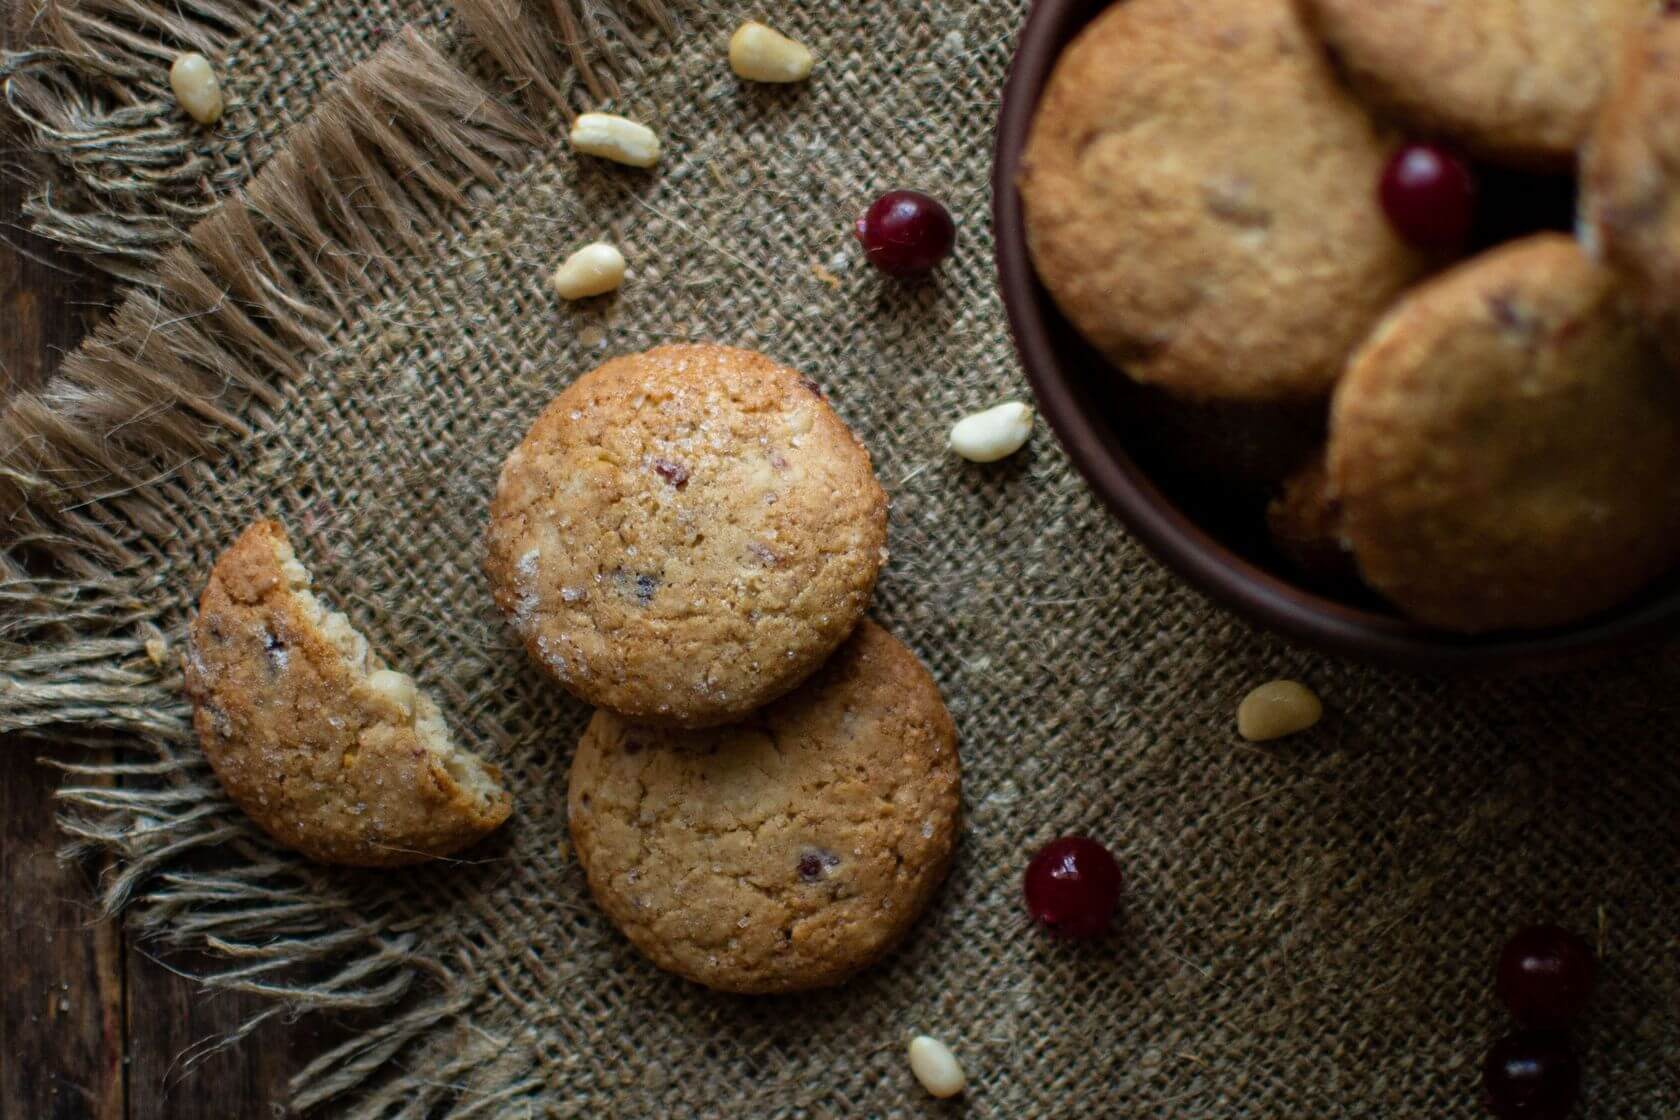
[1506,446]
[1630,178]
[1200,196]
[786,852]
[1510,79]
[323,746]
[686,534]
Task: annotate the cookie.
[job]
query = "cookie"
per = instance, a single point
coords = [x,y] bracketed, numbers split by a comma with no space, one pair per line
[328,750]
[1200,198]
[784,853]
[1304,520]
[1506,446]
[1630,178]
[1515,80]
[686,534]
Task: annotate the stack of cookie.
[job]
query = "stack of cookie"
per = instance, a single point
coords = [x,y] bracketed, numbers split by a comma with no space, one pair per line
[1497,446]
[687,539]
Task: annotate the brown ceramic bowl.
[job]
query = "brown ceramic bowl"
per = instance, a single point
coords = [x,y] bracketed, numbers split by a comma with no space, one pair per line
[1213,540]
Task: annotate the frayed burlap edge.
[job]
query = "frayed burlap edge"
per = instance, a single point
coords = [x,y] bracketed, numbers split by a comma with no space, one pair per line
[92,87]
[131,175]
[189,363]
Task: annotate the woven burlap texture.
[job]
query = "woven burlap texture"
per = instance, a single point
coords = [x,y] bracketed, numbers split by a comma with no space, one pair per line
[1308,928]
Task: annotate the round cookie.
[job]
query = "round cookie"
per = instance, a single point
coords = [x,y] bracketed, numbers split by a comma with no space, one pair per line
[329,751]
[1200,197]
[1506,446]
[1513,80]
[784,853]
[686,534]
[1630,178]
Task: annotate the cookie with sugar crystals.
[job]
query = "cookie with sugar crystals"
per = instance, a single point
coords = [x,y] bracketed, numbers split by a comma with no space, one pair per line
[1505,448]
[330,751]
[1514,80]
[786,852]
[1200,198]
[685,534]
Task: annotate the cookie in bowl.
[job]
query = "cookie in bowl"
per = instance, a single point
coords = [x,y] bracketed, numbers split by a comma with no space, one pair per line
[686,534]
[1304,522]
[1512,80]
[329,750]
[1505,448]
[1198,190]
[786,852]
[1630,177]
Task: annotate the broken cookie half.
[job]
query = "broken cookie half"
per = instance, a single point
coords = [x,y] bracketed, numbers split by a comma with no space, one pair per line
[330,751]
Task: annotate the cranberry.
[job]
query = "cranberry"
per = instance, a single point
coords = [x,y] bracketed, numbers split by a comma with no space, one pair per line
[1429,196]
[674,473]
[1073,886]
[905,233]
[1545,975]
[1532,1075]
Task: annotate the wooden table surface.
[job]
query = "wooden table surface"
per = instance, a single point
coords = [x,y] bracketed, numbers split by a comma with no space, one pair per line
[92,1022]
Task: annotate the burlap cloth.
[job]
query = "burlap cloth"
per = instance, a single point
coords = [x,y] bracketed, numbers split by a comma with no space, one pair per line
[1308,928]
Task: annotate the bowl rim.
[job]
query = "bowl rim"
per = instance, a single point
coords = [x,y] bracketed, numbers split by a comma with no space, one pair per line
[1201,560]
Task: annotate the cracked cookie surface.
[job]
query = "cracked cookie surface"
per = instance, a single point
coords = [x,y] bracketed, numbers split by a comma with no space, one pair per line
[784,853]
[1200,199]
[327,749]
[686,534]
[1510,79]
[1505,449]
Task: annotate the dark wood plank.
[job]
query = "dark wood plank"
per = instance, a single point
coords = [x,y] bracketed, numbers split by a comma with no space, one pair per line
[171,1018]
[61,1014]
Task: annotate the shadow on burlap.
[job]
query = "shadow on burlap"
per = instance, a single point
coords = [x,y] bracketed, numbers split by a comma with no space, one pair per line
[1308,928]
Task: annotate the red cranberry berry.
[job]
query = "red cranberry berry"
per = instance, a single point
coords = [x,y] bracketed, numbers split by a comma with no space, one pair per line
[1429,196]
[905,233]
[1073,886]
[1545,975]
[1531,1075]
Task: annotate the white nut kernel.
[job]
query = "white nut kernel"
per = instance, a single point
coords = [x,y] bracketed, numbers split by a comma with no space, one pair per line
[196,87]
[616,138]
[936,1067]
[591,271]
[763,54]
[988,436]
[1277,709]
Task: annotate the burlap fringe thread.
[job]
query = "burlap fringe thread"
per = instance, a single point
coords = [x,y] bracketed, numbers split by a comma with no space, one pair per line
[92,467]
[93,89]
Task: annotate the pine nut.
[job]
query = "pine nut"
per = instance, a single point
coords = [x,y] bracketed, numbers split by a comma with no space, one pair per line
[1277,709]
[196,87]
[936,1067]
[616,138]
[591,271]
[988,436]
[763,54]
